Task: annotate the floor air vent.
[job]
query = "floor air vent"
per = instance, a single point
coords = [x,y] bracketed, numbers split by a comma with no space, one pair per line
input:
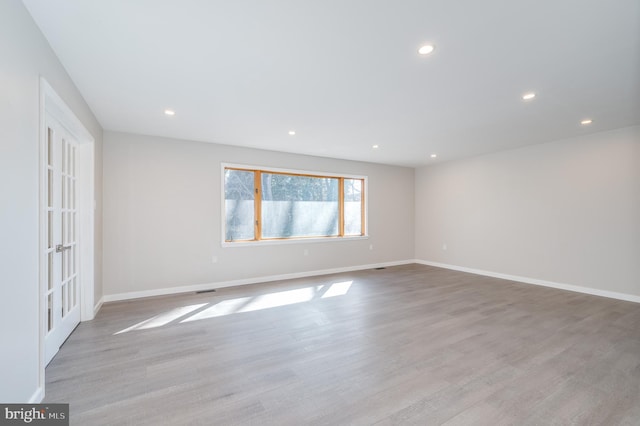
[378,269]
[205,291]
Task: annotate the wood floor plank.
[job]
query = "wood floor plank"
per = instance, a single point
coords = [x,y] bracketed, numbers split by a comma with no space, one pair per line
[411,344]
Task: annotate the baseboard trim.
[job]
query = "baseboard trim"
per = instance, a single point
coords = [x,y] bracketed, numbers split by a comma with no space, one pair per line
[535,281]
[210,286]
[37,396]
[97,307]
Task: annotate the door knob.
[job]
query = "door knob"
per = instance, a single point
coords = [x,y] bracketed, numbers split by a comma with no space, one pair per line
[60,248]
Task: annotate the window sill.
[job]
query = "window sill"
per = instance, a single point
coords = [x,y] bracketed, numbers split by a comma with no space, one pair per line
[311,240]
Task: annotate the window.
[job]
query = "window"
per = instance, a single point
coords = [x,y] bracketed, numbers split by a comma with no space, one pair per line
[262,204]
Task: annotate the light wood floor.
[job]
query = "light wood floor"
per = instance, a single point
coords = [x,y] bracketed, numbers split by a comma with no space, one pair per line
[405,345]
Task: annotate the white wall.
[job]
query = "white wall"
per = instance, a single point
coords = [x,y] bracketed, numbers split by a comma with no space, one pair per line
[566,212]
[162,213]
[24,57]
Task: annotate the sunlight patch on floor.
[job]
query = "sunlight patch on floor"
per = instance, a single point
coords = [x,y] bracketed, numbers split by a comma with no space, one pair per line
[243,304]
[220,309]
[338,289]
[163,319]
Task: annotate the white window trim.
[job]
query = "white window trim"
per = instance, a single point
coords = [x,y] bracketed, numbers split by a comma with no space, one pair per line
[301,240]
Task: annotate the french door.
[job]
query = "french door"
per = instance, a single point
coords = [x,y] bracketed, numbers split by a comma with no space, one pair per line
[61,248]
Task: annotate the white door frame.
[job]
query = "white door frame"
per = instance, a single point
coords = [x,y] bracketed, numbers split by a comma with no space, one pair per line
[52,104]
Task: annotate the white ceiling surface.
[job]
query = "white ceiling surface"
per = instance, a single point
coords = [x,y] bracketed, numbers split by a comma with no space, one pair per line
[345,74]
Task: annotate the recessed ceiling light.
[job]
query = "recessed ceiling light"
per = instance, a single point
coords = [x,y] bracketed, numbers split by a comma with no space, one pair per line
[375,146]
[169,112]
[587,121]
[292,132]
[426,49]
[528,96]
[434,155]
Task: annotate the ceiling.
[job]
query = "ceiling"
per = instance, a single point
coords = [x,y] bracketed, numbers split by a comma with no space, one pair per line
[346,75]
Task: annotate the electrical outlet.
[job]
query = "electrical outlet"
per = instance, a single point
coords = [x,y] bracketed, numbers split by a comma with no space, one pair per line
[214,259]
[306,252]
[370,246]
[444,247]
